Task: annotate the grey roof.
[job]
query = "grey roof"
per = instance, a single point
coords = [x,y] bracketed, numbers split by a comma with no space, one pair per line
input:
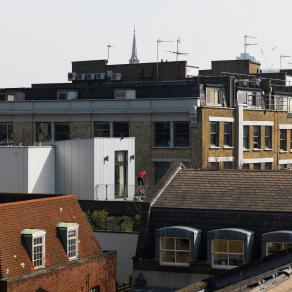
[229,190]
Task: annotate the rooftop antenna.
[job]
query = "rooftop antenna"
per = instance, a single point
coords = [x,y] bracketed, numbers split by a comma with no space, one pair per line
[246,43]
[108,50]
[177,52]
[158,42]
[281,58]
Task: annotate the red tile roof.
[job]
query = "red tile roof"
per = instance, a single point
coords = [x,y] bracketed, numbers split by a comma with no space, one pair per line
[41,213]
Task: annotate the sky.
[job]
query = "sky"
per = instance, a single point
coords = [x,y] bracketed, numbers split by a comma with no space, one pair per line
[40,38]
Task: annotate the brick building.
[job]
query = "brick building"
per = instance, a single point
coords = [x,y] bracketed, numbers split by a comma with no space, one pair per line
[47,244]
[230,116]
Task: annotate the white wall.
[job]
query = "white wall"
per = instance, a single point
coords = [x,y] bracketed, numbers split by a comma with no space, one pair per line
[27,169]
[13,169]
[41,170]
[104,171]
[81,169]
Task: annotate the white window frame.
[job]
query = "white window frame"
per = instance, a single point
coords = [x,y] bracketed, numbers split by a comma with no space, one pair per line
[175,252]
[43,244]
[73,228]
[278,242]
[228,254]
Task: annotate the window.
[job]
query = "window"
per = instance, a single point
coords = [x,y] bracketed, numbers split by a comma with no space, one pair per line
[283,140]
[213,165]
[160,168]
[245,137]
[245,166]
[171,134]
[290,140]
[43,132]
[62,131]
[268,137]
[123,93]
[34,241]
[162,134]
[38,252]
[227,253]
[121,174]
[273,247]
[268,165]
[6,133]
[283,166]
[67,94]
[102,129]
[181,134]
[257,137]
[121,129]
[214,134]
[228,165]
[68,233]
[95,289]
[228,134]
[72,243]
[257,166]
[175,251]
[215,96]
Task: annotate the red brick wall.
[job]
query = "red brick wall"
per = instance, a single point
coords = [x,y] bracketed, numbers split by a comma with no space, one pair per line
[102,272]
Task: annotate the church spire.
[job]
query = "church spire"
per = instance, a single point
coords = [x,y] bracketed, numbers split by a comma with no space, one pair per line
[134,58]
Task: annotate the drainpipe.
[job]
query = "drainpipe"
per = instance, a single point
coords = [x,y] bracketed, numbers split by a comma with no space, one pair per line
[239,136]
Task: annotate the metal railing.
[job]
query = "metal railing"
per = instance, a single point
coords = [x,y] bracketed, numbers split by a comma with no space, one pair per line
[114,192]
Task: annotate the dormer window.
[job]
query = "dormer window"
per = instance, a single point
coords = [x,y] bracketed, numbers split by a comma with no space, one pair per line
[68,233]
[34,241]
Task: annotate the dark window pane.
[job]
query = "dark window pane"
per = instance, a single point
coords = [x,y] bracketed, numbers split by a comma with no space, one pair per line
[181,134]
[257,166]
[257,137]
[268,137]
[228,134]
[43,132]
[268,165]
[160,168]
[121,129]
[283,140]
[246,137]
[121,174]
[214,134]
[228,165]
[162,134]
[101,129]
[6,133]
[62,131]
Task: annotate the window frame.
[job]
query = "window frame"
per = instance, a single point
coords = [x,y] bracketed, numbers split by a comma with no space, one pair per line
[257,138]
[214,134]
[228,135]
[246,139]
[175,250]
[283,140]
[227,253]
[283,243]
[43,252]
[76,238]
[269,137]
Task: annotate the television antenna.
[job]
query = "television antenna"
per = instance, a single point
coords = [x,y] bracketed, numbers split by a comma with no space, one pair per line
[108,50]
[247,44]
[177,52]
[158,42]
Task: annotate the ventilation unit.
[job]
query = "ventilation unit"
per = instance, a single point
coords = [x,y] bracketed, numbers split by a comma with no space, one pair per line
[116,76]
[72,76]
[81,76]
[100,76]
[90,76]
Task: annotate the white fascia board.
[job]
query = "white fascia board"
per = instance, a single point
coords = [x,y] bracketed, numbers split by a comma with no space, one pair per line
[258,123]
[285,161]
[221,159]
[221,119]
[258,160]
[285,126]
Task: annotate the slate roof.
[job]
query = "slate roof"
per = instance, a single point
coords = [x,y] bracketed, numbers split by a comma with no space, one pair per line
[41,213]
[228,190]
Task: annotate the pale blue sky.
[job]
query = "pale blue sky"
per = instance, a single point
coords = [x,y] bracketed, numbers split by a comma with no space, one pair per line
[39,38]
